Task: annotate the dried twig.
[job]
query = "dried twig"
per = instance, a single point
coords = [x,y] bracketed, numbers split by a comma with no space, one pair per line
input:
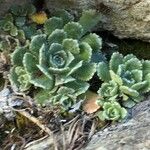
[34,120]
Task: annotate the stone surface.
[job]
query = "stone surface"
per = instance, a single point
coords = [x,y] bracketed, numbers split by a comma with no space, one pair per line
[5,4]
[132,135]
[124,18]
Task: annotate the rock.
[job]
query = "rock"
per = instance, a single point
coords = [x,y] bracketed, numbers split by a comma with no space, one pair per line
[6,4]
[131,135]
[124,18]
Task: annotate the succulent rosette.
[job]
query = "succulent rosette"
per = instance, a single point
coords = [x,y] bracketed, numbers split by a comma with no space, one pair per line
[61,56]
[129,74]
[112,111]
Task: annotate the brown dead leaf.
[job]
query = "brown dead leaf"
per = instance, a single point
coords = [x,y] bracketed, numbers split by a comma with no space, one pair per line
[90,105]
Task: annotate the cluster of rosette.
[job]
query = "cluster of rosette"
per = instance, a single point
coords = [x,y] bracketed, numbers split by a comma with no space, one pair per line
[58,61]
[126,79]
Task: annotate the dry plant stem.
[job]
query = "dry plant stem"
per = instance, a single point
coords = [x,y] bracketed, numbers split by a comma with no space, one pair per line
[93,127]
[34,120]
[38,123]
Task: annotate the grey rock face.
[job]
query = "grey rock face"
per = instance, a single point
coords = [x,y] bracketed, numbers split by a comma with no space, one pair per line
[124,18]
[132,135]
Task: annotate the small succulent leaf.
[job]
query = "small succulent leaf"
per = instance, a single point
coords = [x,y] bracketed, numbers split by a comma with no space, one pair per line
[43,55]
[17,56]
[23,78]
[55,47]
[75,65]
[79,87]
[8,26]
[146,67]
[98,57]
[133,64]
[21,36]
[139,86]
[94,41]
[113,111]
[13,77]
[57,36]
[109,89]
[64,15]
[42,96]
[116,78]
[115,61]
[71,45]
[8,18]
[103,71]
[59,70]
[89,19]
[128,91]
[14,31]
[120,70]
[85,51]
[29,62]
[69,59]
[124,97]
[85,72]
[147,88]
[128,57]
[42,82]
[100,115]
[53,23]
[74,30]
[129,103]
[60,80]
[45,71]
[20,21]
[138,99]
[123,113]
[137,75]
[30,31]
[36,43]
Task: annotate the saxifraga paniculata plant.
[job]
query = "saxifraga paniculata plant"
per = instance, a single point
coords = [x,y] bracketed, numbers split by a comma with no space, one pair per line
[16,27]
[126,79]
[58,62]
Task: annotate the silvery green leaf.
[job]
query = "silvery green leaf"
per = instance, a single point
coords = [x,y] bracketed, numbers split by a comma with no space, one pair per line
[80,87]
[103,71]
[36,43]
[14,31]
[17,56]
[64,15]
[71,45]
[60,80]
[137,75]
[146,67]
[57,36]
[139,86]
[53,23]
[94,41]
[128,57]
[115,61]
[42,81]
[85,51]
[115,77]
[75,65]
[74,30]
[85,72]
[128,91]
[129,103]
[30,62]
[133,64]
